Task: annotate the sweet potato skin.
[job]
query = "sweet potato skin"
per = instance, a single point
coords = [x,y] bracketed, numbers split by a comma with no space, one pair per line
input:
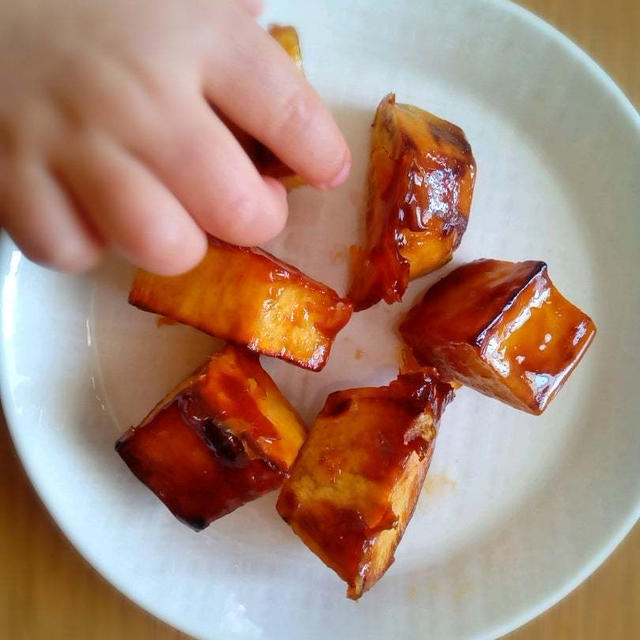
[355,483]
[221,438]
[249,297]
[421,178]
[501,328]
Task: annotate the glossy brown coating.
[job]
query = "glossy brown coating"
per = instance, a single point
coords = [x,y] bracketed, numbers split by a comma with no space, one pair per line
[223,437]
[501,328]
[421,177]
[267,163]
[357,478]
[249,297]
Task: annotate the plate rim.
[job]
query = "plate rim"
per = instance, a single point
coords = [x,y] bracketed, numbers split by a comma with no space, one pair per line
[606,549]
[499,629]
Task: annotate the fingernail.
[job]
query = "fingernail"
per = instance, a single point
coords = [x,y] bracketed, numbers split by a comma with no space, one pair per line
[340,177]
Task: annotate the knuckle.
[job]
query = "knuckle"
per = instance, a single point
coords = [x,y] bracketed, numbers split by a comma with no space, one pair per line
[9,138]
[70,93]
[297,114]
[70,113]
[192,151]
[20,131]
[254,7]
[184,151]
[30,127]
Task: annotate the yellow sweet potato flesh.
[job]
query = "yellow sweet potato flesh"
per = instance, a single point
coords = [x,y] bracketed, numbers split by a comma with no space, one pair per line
[355,483]
[249,297]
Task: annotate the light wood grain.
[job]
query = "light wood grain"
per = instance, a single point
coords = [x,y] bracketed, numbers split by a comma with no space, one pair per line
[48,592]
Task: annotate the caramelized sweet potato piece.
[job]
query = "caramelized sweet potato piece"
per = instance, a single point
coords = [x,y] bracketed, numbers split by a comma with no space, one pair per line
[355,484]
[287,37]
[223,437]
[501,328]
[421,177]
[249,297]
[267,163]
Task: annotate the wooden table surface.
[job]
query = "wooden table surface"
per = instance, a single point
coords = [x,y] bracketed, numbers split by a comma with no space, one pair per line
[48,592]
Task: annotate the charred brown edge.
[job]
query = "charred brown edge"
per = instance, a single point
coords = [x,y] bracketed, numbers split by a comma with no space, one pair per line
[538,268]
[353,593]
[163,404]
[438,400]
[197,524]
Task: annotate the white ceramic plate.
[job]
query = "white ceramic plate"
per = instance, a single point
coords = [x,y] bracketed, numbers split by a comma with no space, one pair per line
[517,510]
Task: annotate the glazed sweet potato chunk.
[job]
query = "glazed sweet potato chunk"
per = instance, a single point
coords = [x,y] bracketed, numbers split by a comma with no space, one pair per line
[249,297]
[287,37]
[267,163]
[501,328]
[223,437]
[355,484]
[420,181]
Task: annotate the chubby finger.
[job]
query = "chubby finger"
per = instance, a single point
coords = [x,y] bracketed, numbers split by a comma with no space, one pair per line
[43,221]
[258,87]
[212,176]
[254,7]
[131,208]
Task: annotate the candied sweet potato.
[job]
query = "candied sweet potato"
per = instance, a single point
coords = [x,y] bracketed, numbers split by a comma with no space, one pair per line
[287,37]
[355,483]
[501,328]
[421,177]
[223,437]
[249,297]
[267,163]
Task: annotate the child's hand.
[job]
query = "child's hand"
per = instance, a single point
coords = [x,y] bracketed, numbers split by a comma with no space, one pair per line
[107,135]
